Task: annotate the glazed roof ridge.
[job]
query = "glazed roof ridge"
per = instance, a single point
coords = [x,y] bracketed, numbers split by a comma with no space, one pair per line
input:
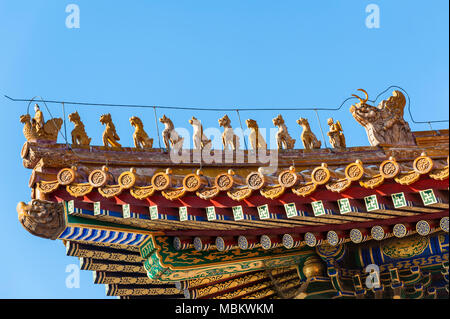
[61,155]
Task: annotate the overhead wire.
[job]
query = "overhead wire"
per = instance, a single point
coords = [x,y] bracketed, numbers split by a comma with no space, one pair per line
[233,108]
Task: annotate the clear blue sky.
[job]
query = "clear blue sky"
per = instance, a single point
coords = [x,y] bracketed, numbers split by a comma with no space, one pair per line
[199,53]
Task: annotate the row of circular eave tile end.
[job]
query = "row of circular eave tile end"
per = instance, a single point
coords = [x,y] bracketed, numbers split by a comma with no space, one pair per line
[238,188]
[333,238]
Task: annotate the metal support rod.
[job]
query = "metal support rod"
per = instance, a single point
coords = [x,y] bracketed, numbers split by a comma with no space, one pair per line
[157,128]
[65,127]
[431,128]
[323,136]
[242,128]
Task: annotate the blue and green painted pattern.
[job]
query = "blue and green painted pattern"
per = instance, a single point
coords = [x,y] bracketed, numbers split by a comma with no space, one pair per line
[79,228]
[102,236]
[408,248]
[165,263]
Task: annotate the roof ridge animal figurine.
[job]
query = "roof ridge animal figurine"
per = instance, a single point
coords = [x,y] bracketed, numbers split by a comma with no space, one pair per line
[140,137]
[229,139]
[199,138]
[309,140]
[284,140]
[36,129]
[384,123]
[38,119]
[79,136]
[110,136]
[256,139]
[170,136]
[336,134]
